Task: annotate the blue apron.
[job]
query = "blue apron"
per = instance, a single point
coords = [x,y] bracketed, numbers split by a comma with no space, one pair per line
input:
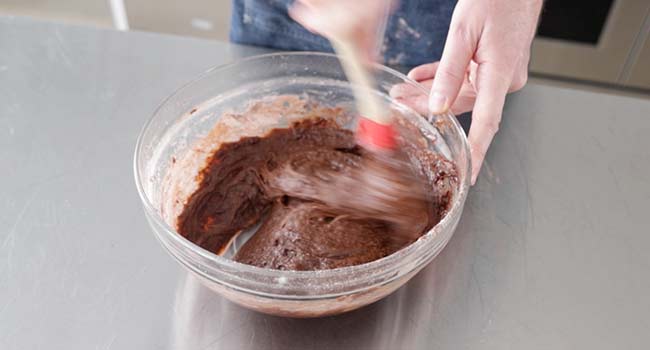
[415,32]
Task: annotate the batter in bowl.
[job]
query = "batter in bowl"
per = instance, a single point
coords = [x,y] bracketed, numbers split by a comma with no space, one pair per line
[308,186]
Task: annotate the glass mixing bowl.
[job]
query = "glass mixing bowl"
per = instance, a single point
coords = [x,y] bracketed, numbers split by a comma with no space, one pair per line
[191,112]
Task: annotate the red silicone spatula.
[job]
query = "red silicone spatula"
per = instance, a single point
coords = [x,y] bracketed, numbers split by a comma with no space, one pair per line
[375,130]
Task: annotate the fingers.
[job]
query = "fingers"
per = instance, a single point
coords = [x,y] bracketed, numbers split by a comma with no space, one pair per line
[413,97]
[424,72]
[457,54]
[465,100]
[492,87]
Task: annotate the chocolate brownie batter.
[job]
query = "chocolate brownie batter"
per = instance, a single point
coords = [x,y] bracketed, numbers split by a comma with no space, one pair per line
[301,235]
[324,202]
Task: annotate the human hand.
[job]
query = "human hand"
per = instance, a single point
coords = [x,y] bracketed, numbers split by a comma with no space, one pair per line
[359,21]
[485,56]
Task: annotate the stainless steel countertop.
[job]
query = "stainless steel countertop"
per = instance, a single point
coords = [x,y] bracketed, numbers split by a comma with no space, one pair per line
[551,252]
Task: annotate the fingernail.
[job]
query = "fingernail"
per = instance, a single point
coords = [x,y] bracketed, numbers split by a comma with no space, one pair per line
[437,103]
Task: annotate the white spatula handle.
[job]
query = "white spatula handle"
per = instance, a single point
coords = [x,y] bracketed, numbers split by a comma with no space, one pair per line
[368,103]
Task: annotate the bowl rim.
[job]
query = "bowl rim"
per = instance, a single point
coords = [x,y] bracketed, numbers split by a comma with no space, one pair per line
[391,261]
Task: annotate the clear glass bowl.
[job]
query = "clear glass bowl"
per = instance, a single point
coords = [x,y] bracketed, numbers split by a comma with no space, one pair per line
[192,111]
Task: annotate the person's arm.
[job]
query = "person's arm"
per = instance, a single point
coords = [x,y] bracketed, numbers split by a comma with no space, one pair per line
[485,56]
[332,18]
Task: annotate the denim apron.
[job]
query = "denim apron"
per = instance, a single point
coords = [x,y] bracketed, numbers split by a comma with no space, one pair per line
[415,32]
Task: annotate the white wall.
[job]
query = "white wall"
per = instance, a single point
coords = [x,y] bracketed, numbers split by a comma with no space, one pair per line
[91,12]
[201,18]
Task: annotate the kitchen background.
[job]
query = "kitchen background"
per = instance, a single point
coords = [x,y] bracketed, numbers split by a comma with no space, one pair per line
[588,44]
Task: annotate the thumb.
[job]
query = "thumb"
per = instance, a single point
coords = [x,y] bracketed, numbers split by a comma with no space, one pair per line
[457,54]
